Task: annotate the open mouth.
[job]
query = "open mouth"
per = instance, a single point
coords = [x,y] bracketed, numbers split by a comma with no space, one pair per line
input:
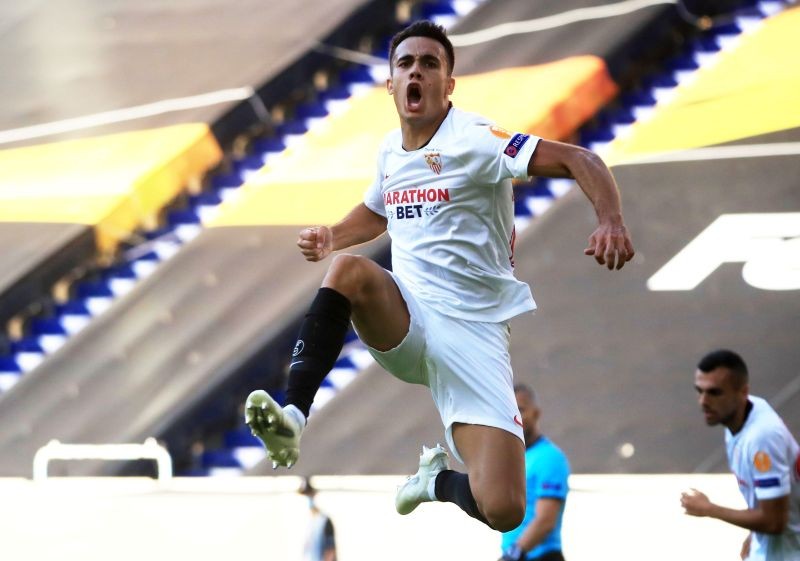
[413,95]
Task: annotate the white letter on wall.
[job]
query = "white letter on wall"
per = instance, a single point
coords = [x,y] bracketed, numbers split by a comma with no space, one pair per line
[768,244]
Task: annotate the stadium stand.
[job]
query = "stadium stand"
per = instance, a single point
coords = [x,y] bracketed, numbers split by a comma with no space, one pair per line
[284,60]
[156,155]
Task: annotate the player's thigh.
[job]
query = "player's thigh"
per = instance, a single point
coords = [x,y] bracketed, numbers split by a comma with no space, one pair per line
[495,460]
[470,376]
[379,312]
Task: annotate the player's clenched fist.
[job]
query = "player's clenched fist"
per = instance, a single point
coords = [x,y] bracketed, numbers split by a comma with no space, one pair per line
[315,243]
[695,503]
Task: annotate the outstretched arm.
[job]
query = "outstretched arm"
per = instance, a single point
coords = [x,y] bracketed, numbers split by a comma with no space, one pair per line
[769,517]
[610,243]
[359,226]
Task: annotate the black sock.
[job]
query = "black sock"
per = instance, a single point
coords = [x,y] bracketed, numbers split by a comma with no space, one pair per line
[453,487]
[318,346]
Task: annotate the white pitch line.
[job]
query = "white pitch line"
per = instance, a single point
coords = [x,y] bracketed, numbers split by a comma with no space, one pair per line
[720,153]
[551,22]
[127,114]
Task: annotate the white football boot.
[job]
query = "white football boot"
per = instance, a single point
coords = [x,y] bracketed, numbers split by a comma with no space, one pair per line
[419,488]
[278,428]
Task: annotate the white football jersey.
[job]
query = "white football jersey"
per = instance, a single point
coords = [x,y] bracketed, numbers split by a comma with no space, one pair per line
[450,212]
[765,458]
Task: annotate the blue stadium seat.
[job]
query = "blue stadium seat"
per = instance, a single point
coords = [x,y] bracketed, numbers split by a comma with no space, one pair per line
[334,93]
[182,216]
[248,163]
[10,372]
[46,326]
[310,110]
[295,126]
[271,144]
[209,198]
[26,345]
[433,9]
[72,307]
[93,288]
[226,180]
[358,74]
[9,364]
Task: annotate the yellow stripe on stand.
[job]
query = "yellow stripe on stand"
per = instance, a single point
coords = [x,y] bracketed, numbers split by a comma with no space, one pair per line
[751,90]
[114,183]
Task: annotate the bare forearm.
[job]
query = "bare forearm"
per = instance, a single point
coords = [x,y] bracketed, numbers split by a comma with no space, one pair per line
[770,516]
[610,243]
[359,226]
[344,236]
[597,182]
[556,159]
[754,520]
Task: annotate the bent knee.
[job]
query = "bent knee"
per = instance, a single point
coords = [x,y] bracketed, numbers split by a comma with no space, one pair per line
[506,516]
[347,261]
[347,271]
[356,277]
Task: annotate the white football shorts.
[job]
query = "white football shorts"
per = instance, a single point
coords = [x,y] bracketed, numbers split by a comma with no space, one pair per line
[466,365]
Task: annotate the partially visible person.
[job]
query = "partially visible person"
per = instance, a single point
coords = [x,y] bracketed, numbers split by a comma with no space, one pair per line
[538,538]
[321,541]
[762,454]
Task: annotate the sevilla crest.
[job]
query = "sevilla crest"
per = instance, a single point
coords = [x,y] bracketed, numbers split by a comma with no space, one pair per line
[434,161]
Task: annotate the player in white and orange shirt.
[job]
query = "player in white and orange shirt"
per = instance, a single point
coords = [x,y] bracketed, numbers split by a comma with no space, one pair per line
[762,454]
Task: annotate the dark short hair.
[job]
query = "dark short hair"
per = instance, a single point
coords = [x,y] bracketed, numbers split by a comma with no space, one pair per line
[525,389]
[723,358]
[425,28]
